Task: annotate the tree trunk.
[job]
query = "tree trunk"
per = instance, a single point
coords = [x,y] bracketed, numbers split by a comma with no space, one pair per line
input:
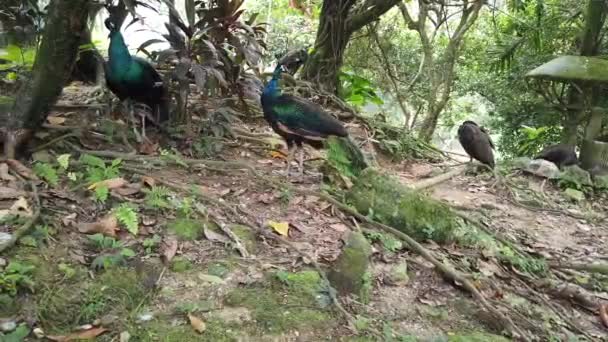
[338,21]
[594,20]
[66,21]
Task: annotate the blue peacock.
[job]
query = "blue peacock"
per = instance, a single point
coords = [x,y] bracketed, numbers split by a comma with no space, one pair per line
[134,79]
[299,121]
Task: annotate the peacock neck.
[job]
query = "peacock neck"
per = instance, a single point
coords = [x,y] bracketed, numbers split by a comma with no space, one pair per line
[118,52]
[272,88]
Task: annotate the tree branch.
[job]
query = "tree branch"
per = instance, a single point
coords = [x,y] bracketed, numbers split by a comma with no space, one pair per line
[370,11]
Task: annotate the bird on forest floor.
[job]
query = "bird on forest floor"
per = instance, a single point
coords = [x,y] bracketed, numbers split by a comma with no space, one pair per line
[476,142]
[559,154]
[134,79]
[299,121]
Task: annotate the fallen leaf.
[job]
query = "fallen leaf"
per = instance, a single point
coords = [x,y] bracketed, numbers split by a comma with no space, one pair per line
[125,336]
[197,324]
[168,249]
[280,227]
[82,335]
[19,208]
[129,190]
[339,227]
[113,183]
[214,236]
[21,169]
[278,155]
[6,193]
[106,226]
[148,148]
[55,120]
[69,220]
[4,175]
[148,181]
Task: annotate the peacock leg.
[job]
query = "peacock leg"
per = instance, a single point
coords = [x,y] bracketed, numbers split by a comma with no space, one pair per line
[133,121]
[143,127]
[290,147]
[301,159]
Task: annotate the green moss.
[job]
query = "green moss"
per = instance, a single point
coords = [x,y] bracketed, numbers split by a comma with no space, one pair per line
[285,302]
[219,269]
[392,203]
[246,235]
[180,264]
[186,229]
[348,274]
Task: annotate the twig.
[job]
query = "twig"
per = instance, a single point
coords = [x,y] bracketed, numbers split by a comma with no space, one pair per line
[430,182]
[56,140]
[27,226]
[237,242]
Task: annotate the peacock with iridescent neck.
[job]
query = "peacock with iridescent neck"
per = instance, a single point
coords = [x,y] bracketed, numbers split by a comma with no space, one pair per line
[300,121]
[134,79]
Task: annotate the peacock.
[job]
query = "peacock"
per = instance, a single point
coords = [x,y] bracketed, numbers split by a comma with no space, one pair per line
[559,154]
[299,121]
[134,79]
[476,142]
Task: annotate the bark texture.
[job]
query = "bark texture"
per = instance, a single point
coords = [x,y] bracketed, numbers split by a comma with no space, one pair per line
[65,23]
[339,20]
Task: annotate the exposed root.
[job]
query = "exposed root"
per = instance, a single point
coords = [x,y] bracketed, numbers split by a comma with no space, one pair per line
[431,182]
[27,226]
[593,268]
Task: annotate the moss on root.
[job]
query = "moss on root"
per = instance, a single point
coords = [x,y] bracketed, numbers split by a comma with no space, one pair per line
[392,203]
[215,331]
[286,301]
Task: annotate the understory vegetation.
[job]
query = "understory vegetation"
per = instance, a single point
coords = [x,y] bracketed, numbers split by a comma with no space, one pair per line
[116,225]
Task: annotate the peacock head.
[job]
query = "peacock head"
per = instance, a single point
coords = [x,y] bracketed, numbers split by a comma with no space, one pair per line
[276,75]
[111,26]
[272,88]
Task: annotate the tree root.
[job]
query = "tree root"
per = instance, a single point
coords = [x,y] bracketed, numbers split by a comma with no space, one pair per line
[431,182]
[592,268]
[27,226]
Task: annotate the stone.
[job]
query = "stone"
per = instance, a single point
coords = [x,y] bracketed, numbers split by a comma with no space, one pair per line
[574,195]
[5,238]
[575,174]
[542,168]
[398,275]
[348,272]
[8,325]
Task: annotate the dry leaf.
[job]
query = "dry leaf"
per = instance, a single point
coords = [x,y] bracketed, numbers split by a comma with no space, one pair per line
[129,190]
[197,324]
[6,193]
[55,120]
[106,226]
[82,335]
[19,208]
[213,236]
[113,183]
[148,181]
[21,169]
[168,248]
[278,155]
[339,227]
[69,220]
[148,148]
[280,227]
[4,175]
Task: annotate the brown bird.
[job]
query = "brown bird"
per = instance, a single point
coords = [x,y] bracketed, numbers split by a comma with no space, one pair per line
[476,142]
[559,154]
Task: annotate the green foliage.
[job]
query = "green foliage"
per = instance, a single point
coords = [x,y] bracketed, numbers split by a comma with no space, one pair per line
[357,90]
[535,139]
[186,229]
[388,241]
[17,335]
[96,170]
[17,56]
[150,243]
[523,264]
[126,214]
[158,197]
[47,172]
[16,276]
[114,252]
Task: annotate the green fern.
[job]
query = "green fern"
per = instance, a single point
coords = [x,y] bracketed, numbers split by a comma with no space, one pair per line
[126,214]
[46,172]
[64,161]
[157,197]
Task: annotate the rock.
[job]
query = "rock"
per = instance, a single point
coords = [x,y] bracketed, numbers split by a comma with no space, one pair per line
[39,333]
[398,275]
[542,168]
[8,325]
[208,278]
[348,272]
[5,238]
[576,175]
[145,317]
[574,195]
[3,263]
[601,182]
[42,156]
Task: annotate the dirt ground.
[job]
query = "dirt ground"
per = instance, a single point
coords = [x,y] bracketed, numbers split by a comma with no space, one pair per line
[188,282]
